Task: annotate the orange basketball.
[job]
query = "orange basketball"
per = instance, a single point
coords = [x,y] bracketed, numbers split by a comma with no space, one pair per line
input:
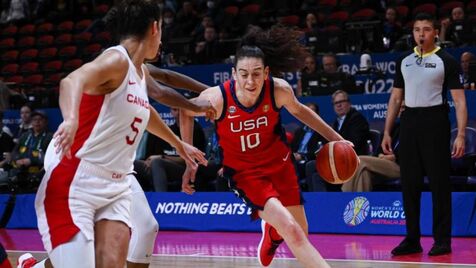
[337,162]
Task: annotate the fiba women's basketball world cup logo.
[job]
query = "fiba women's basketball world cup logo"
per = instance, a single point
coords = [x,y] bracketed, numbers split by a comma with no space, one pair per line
[356,211]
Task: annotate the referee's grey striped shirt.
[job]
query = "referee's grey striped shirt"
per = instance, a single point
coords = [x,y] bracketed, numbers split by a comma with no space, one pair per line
[425,80]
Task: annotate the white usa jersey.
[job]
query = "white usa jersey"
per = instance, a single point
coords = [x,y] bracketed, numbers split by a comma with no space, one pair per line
[111,125]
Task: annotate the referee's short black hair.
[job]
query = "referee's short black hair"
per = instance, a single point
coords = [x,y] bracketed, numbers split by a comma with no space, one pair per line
[428,17]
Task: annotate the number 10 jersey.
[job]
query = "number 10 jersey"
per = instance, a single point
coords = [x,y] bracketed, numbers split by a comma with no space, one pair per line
[251,137]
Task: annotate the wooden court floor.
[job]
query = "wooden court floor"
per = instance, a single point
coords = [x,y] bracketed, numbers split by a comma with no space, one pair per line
[225,250]
[162,261]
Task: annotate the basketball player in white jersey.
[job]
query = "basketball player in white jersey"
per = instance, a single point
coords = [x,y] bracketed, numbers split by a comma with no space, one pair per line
[84,200]
[144,224]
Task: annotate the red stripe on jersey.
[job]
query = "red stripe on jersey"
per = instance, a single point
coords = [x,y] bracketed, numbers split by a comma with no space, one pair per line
[58,214]
[251,137]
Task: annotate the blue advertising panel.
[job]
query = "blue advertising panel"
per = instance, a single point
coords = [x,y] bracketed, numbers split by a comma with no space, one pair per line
[345,213]
[201,212]
[349,213]
[24,215]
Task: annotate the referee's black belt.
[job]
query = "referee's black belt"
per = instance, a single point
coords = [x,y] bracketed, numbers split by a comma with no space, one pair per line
[437,108]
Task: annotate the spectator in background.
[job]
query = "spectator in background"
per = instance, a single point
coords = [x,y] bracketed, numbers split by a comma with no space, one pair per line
[372,168]
[170,28]
[4,8]
[466,59]
[305,143]
[199,30]
[6,143]
[28,154]
[213,172]
[167,4]
[209,50]
[352,126]
[307,84]
[350,123]
[312,33]
[187,17]
[392,29]
[456,28]
[330,79]
[214,9]
[167,167]
[25,121]
[4,128]
[18,11]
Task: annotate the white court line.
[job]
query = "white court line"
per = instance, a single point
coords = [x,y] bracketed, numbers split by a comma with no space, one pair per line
[200,255]
[336,260]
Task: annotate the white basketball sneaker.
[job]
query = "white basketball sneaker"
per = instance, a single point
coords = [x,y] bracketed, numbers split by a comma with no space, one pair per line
[26,261]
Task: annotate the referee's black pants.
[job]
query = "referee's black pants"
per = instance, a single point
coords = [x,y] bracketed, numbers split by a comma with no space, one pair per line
[425,151]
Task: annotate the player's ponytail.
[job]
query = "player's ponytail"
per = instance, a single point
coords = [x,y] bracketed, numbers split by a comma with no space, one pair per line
[278,47]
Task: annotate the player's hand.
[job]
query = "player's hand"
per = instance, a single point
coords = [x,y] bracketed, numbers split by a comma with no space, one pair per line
[458,147]
[189,154]
[348,142]
[387,144]
[64,137]
[205,106]
[188,179]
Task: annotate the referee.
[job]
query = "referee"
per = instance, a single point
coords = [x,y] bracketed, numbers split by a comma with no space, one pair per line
[423,77]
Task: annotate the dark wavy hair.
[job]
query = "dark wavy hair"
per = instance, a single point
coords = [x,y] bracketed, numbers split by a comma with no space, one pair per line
[278,47]
[131,18]
[427,17]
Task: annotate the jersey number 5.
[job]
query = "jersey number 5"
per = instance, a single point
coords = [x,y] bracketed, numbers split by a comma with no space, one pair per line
[130,140]
[249,141]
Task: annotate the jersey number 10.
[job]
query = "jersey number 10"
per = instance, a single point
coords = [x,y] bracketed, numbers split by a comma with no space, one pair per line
[249,141]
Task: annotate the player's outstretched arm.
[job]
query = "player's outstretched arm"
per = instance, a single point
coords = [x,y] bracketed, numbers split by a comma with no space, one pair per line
[214,98]
[172,98]
[285,97]
[101,76]
[176,80]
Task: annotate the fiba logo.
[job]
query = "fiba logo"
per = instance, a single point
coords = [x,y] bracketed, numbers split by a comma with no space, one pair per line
[356,211]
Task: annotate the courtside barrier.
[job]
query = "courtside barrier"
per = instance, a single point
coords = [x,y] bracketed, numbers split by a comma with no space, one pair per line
[342,213]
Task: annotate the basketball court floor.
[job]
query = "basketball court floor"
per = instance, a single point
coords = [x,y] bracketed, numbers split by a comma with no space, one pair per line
[227,249]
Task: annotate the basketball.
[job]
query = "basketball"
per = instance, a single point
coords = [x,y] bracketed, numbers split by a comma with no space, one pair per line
[337,162]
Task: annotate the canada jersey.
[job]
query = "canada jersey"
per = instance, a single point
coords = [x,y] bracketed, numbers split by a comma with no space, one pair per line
[121,120]
[251,137]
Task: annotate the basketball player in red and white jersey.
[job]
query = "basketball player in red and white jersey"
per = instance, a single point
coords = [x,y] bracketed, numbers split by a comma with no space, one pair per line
[257,160]
[83,201]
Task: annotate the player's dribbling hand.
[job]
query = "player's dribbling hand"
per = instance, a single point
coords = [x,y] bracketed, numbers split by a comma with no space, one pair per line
[348,142]
[64,137]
